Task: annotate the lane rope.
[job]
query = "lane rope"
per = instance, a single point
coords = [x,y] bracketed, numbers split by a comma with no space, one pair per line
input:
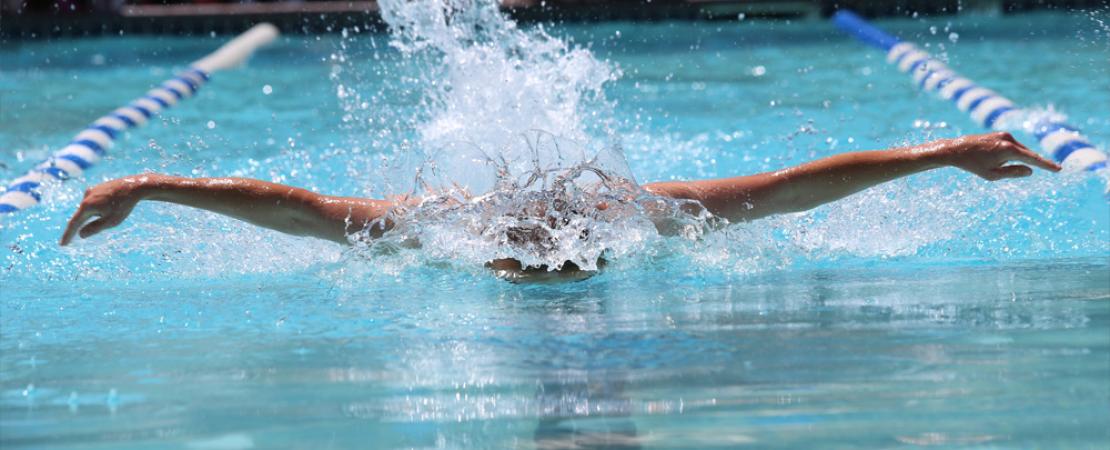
[93,143]
[1063,142]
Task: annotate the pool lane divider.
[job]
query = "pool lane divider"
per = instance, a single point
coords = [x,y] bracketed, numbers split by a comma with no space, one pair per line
[1064,142]
[92,143]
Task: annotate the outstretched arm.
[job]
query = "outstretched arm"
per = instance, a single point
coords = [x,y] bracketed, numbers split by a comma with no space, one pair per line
[818,182]
[283,208]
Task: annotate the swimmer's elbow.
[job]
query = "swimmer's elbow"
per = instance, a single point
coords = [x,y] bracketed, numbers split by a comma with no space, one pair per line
[318,224]
[299,213]
[335,218]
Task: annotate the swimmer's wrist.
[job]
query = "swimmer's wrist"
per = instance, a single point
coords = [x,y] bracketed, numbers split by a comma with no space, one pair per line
[938,154]
[152,186]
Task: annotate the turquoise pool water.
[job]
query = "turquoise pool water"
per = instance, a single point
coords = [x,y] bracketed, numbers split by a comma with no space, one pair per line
[940,310]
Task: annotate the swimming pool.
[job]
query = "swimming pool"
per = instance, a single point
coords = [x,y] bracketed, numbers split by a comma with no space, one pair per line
[935,311]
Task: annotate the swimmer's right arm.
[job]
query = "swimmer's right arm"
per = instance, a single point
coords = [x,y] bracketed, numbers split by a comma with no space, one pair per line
[278,207]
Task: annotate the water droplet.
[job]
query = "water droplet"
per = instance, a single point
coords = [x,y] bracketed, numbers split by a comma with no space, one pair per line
[113,400]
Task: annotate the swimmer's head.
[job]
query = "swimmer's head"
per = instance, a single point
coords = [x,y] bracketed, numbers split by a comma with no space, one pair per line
[513,271]
[538,229]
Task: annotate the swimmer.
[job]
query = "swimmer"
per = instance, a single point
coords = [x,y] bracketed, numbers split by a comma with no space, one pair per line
[739,199]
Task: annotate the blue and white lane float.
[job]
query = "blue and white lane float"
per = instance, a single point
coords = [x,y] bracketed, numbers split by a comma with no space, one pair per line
[93,142]
[1065,143]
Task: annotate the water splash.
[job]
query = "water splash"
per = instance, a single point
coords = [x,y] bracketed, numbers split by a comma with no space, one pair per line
[495,90]
[517,151]
[948,216]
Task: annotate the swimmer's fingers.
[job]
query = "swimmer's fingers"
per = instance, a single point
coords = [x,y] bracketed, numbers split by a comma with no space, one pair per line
[1009,171]
[79,218]
[104,218]
[1030,157]
[100,224]
[998,148]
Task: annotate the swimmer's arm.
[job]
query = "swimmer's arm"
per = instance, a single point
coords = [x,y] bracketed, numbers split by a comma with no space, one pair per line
[283,208]
[815,183]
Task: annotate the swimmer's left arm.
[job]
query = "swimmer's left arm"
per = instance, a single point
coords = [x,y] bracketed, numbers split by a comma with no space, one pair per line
[825,180]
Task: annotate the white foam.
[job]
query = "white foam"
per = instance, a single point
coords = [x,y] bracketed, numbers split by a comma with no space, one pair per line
[519,121]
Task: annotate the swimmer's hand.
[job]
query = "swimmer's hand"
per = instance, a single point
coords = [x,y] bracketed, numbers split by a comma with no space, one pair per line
[109,203]
[988,155]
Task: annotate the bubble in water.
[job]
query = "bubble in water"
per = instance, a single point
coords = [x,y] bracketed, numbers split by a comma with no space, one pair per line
[112,400]
[211,124]
[953,37]
[267,89]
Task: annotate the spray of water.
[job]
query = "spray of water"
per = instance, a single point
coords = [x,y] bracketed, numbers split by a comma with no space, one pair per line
[516,157]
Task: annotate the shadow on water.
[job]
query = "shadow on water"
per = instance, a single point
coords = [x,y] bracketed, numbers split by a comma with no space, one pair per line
[581,400]
[564,429]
